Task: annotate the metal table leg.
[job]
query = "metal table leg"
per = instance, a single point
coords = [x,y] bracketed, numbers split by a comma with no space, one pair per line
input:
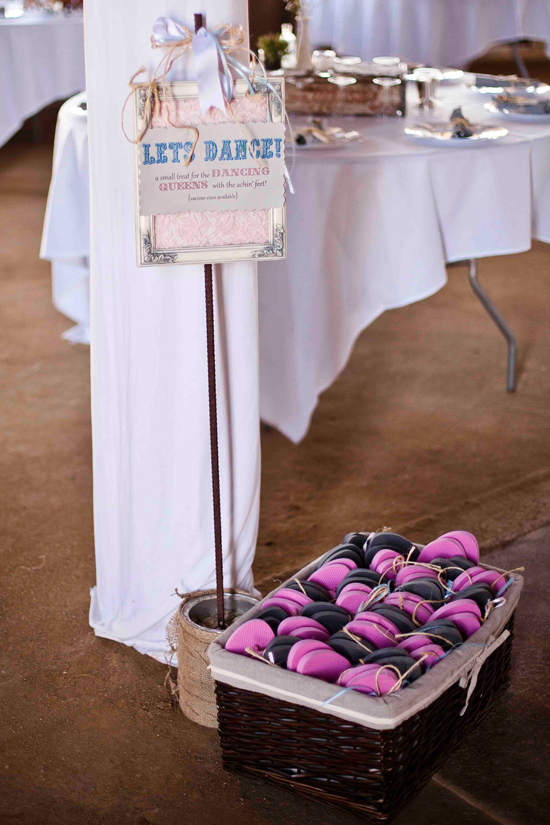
[499,321]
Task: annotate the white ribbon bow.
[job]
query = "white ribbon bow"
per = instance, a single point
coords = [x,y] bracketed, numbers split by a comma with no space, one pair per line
[206,53]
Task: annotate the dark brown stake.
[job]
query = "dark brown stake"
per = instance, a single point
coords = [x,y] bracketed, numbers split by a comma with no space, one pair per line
[214,453]
[213,413]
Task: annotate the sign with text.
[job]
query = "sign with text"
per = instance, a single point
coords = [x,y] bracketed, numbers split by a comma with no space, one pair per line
[229,170]
[228,203]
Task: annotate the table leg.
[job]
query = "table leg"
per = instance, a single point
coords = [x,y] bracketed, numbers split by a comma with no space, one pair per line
[499,321]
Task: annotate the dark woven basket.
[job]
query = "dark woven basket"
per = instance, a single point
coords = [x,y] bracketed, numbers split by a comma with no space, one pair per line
[341,763]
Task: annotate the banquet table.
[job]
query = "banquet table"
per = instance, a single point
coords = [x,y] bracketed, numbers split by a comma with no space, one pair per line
[371,227]
[433,32]
[41,60]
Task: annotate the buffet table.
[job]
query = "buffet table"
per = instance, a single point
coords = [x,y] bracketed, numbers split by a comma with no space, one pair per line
[371,227]
[41,60]
[434,32]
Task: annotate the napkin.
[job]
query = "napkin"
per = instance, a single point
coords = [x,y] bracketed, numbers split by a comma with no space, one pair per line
[461,127]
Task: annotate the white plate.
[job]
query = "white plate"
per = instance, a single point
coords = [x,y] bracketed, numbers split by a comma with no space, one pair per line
[440,134]
[519,116]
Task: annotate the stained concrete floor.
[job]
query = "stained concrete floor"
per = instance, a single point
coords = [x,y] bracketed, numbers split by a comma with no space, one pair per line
[417,434]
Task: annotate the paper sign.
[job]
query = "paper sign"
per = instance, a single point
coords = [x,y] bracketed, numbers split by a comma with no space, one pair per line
[228,203]
[232,168]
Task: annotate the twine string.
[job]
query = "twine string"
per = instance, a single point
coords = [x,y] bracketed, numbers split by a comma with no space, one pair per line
[378,594]
[226,37]
[300,585]
[260,656]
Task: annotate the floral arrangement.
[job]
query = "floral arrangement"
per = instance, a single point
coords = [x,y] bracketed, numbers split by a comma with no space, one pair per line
[273,47]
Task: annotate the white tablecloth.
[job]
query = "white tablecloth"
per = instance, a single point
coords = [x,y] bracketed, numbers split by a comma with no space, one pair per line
[41,60]
[151,444]
[371,228]
[435,32]
[67,240]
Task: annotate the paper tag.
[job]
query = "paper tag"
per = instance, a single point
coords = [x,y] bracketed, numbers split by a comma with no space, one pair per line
[233,167]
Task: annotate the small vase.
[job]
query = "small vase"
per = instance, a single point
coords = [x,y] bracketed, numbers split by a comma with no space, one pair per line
[303,50]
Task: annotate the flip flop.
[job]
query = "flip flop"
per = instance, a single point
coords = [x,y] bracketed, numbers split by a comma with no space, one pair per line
[291,607]
[393,540]
[467,578]
[414,605]
[316,592]
[376,683]
[493,578]
[387,563]
[322,664]
[468,542]
[300,649]
[411,572]
[344,551]
[411,643]
[303,628]
[352,596]
[401,619]
[467,623]
[449,610]
[294,596]
[378,619]
[278,649]
[368,577]
[373,633]
[435,654]
[480,593]
[428,588]
[254,634]
[442,548]
[353,652]
[330,575]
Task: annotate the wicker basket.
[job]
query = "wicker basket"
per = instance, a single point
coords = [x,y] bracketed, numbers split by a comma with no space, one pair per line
[370,768]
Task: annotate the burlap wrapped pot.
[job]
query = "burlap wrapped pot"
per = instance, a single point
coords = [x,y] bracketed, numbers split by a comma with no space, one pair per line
[191,640]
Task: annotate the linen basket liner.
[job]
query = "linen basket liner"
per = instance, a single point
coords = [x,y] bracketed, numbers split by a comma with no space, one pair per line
[378,712]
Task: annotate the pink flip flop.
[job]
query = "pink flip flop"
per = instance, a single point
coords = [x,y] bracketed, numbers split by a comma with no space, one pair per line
[254,634]
[373,633]
[376,618]
[330,575]
[293,595]
[467,623]
[434,654]
[303,628]
[493,578]
[411,643]
[442,548]
[414,605]
[466,579]
[413,571]
[387,563]
[352,596]
[377,682]
[322,664]
[289,606]
[468,542]
[349,563]
[300,649]
[451,609]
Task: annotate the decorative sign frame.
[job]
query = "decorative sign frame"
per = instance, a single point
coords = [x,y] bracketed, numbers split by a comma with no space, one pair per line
[151,249]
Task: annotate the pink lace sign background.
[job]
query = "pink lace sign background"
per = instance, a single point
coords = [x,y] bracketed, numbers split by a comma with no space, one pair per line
[188,229]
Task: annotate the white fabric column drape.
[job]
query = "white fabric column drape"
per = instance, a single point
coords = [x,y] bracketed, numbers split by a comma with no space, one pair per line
[151,449]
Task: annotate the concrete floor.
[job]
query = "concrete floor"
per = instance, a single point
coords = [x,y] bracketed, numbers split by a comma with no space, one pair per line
[417,434]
